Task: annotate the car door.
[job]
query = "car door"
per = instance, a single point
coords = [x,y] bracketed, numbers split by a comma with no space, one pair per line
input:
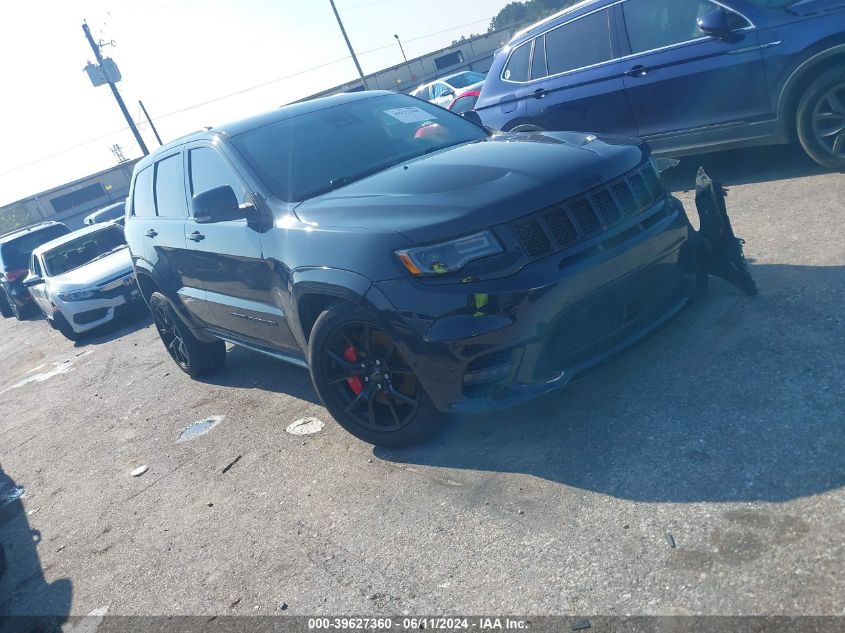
[39,291]
[227,259]
[678,79]
[576,78]
[166,237]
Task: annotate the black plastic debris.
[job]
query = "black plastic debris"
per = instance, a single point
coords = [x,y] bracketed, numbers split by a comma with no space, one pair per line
[232,463]
[721,251]
[670,540]
[580,625]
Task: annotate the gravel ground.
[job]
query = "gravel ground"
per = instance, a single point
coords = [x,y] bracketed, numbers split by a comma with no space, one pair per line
[721,435]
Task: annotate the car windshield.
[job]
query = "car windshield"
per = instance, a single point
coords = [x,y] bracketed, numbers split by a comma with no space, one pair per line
[83,250]
[465,79]
[313,153]
[16,253]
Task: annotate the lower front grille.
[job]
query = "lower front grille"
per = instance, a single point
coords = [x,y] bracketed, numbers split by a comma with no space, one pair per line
[90,316]
[581,333]
[565,224]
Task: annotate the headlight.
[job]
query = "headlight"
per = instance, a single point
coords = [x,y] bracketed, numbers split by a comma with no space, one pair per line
[77,295]
[451,256]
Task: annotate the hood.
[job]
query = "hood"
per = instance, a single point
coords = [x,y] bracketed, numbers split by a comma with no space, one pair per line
[806,8]
[94,273]
[473,186]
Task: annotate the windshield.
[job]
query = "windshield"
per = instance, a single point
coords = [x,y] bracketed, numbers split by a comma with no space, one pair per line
[465,79]
[16,253]
[83,250]
[313,153]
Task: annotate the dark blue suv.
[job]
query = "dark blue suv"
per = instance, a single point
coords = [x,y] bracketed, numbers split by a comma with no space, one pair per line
[686,75]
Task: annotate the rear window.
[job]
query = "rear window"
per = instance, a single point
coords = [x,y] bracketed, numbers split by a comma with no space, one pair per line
[143,205]
[83,250]
[15,254]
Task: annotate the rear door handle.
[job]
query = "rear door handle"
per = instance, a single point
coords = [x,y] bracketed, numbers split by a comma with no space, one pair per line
[196,236]
[150,233]
[637,71]
[540,93]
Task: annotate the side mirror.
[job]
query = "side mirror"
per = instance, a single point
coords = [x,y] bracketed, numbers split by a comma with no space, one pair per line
[218,205]
[33,280]
[715,24]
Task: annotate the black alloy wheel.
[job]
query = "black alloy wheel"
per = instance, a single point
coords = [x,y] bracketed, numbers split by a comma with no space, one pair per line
[365,382]
[174,343]
[193,356]
[369,378]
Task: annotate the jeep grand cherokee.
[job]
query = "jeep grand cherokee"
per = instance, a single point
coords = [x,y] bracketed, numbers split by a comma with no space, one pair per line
[414,262]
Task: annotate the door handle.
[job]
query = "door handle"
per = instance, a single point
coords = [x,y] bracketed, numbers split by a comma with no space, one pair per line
[637,71]
[540,93]
[196,236]
[150,232]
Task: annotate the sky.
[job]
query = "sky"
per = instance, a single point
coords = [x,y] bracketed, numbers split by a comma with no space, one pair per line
[192,62]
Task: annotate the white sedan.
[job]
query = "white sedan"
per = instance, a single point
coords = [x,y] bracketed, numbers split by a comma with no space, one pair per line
[82,279]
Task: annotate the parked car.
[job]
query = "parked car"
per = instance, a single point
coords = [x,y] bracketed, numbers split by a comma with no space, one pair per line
[84,279]
[442,92]
[15,251]
[465,101]
[112,213]
[410,273]
[685,75]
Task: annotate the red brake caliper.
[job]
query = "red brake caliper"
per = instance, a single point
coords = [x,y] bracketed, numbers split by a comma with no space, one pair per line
[355,383]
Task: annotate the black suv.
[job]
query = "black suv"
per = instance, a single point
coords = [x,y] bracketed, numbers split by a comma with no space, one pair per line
[15,251]
[414,262]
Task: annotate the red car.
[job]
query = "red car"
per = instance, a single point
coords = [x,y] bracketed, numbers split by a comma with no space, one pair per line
[465,101]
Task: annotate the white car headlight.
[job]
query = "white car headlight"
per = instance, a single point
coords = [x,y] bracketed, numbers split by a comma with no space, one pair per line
[77,295]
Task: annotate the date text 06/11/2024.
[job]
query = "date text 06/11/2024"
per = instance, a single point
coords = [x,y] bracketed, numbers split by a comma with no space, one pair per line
[418,623]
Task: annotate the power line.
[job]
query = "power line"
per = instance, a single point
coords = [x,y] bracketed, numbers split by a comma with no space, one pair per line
[239,92]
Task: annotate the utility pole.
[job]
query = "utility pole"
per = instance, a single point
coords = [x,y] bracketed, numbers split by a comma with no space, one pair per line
[115,92]
[405,57]
[349,45]
[150,121]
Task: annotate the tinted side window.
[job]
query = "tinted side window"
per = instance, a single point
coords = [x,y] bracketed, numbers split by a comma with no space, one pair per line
[517,68]
[170,188]
[464,104]
[209,171]
[142,198]
[538,61]
[656,23]
[581,43]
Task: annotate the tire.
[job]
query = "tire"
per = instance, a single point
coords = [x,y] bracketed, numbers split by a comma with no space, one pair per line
[60,323]
[365,383]
[193,356]
[820,119]
[5,309]
[13,308]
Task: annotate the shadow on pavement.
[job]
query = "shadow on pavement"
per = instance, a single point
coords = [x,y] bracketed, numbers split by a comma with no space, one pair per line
[744,166]
[118,328]
[24,591]
[246,369]
[740,399]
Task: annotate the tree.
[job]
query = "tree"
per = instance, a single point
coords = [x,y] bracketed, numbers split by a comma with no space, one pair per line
[520,13]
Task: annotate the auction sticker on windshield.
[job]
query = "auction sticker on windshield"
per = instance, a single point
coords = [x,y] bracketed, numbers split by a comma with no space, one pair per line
[410,114]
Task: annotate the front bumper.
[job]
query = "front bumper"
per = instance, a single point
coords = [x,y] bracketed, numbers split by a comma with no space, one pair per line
[484,345]
[84,316]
